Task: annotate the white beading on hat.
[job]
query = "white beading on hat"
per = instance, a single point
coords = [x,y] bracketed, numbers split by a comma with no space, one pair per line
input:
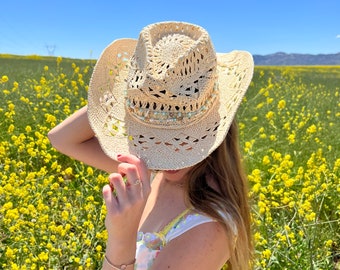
[167,98]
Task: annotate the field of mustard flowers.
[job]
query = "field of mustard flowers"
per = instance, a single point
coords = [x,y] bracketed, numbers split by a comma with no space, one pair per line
[51,207]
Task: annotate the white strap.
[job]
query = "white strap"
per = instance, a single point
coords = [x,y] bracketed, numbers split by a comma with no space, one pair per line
[186,224]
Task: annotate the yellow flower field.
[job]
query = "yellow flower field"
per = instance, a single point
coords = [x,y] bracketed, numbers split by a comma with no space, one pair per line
[51,207]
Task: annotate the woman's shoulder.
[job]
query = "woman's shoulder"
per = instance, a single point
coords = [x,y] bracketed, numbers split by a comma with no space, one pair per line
[190,220]
[201,246]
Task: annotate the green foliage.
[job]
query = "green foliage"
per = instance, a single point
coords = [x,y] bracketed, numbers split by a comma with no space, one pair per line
[51,208]
[289,126]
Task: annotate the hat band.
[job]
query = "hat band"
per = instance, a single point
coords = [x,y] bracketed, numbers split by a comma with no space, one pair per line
[170,118]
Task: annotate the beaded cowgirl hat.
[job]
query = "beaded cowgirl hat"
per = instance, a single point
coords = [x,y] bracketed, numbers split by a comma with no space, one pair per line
[167,97]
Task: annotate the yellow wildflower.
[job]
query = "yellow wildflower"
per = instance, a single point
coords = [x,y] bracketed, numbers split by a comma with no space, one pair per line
[4,78]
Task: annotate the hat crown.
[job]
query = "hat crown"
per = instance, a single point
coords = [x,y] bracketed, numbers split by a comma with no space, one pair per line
[164,97]
[172,74]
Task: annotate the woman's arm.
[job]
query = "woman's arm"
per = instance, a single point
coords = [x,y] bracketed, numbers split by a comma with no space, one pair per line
[74,137]
[202,247]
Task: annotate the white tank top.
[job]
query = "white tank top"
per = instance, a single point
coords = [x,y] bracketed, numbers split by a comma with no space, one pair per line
[150,244]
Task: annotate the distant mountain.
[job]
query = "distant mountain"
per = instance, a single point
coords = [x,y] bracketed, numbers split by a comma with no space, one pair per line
[291,59]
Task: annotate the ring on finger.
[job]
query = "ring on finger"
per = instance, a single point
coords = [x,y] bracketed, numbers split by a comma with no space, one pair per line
[137,182]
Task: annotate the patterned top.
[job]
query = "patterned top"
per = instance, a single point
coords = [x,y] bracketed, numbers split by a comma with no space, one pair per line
[150,244]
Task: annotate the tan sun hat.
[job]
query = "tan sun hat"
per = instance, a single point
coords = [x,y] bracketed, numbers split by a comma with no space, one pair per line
[167,97]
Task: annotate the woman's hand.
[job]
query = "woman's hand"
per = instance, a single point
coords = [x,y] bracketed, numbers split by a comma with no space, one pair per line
[125,207]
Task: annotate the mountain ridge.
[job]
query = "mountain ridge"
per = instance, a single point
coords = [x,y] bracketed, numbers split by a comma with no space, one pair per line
[290,59]
[274,59]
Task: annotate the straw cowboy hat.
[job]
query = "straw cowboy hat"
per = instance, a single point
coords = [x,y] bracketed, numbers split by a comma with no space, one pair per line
[167,97]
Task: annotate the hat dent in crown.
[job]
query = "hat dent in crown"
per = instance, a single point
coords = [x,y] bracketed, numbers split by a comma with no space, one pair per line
[167,98]
[172,75]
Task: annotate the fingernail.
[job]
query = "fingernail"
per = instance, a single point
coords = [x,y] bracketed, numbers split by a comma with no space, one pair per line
[112,187]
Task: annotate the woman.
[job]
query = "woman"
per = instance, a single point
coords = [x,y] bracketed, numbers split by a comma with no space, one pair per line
[160,120]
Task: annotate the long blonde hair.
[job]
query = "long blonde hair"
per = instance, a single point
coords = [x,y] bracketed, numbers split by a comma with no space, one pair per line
[227,197]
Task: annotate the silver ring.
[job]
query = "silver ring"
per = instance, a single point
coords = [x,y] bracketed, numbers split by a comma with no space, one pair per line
[137,182]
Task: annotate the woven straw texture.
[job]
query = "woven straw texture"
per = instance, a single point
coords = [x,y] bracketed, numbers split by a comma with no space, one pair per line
[167,97]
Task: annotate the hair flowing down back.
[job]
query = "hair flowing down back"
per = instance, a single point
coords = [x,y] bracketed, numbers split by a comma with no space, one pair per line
[228,196]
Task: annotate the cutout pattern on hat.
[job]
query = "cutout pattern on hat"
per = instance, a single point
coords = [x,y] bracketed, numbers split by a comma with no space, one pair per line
[172,75]
[167,98]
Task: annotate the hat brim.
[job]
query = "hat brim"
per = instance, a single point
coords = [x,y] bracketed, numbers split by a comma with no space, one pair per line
[160,148]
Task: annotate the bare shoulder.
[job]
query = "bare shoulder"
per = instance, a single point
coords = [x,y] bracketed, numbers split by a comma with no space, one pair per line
[202,247]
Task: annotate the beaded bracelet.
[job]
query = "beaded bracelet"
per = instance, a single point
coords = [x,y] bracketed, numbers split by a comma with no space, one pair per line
[119,267]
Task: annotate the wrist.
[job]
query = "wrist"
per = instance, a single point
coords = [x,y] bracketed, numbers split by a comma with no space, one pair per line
[113,246]
[120,255]
[123,266]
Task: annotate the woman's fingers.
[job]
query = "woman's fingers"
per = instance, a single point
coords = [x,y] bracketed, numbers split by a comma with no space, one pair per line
[131,186]
[110,200]
[117,184]
[130,173]
[135,169]
[125,205]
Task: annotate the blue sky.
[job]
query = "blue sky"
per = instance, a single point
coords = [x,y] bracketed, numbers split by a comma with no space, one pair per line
[82,29]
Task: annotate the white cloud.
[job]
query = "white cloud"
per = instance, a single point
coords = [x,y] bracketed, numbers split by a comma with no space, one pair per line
[337,36]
